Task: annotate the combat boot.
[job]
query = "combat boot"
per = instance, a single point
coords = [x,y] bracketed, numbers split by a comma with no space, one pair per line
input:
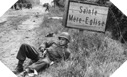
[19,68]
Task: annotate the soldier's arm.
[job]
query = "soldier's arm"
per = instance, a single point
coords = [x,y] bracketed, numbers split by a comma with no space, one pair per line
[67,54]
[45,45]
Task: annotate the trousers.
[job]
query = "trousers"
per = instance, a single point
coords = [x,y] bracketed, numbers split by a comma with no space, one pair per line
[27,51]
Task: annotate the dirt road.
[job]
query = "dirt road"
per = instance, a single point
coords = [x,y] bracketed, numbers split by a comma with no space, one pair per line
[17,27]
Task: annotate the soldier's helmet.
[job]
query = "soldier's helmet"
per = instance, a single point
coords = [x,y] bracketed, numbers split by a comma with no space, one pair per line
[65,35]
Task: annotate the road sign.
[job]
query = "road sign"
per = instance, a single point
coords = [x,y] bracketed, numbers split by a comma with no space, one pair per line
[85,16]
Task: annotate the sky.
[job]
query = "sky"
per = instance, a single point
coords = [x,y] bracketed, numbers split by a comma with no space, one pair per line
[45,1]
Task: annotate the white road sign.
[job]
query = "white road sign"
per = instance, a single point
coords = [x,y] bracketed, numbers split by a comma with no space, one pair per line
[86,16]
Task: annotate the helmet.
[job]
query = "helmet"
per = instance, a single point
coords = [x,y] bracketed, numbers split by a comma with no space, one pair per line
[65,35]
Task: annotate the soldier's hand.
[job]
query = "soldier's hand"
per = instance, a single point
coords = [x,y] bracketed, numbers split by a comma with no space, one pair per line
[41,49]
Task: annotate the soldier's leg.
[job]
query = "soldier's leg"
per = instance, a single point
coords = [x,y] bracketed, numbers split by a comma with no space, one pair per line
[25,51]
[39,65]
[47,7]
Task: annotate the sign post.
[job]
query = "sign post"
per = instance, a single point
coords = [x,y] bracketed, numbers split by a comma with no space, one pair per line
[85,16]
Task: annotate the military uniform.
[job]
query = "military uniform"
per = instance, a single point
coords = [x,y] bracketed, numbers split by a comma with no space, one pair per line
[51,51]
[55,53]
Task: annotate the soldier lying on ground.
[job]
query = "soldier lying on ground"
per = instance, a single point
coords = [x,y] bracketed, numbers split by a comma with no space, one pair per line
[53,52]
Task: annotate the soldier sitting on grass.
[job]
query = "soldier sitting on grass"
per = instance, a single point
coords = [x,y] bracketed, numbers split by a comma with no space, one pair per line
[53,51]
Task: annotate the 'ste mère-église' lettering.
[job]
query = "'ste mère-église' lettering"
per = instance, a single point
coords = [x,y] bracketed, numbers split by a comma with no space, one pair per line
[87,11]
[86,20]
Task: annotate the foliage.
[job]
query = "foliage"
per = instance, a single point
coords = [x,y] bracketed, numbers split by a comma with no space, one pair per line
[92,54]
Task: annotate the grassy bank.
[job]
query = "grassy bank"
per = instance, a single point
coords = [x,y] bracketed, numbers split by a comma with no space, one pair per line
[93,54]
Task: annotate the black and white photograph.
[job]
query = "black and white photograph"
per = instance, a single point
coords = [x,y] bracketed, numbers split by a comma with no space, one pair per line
[63,38]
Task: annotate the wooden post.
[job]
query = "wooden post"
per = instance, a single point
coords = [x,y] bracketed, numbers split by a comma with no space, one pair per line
[80,37]
[81,31]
